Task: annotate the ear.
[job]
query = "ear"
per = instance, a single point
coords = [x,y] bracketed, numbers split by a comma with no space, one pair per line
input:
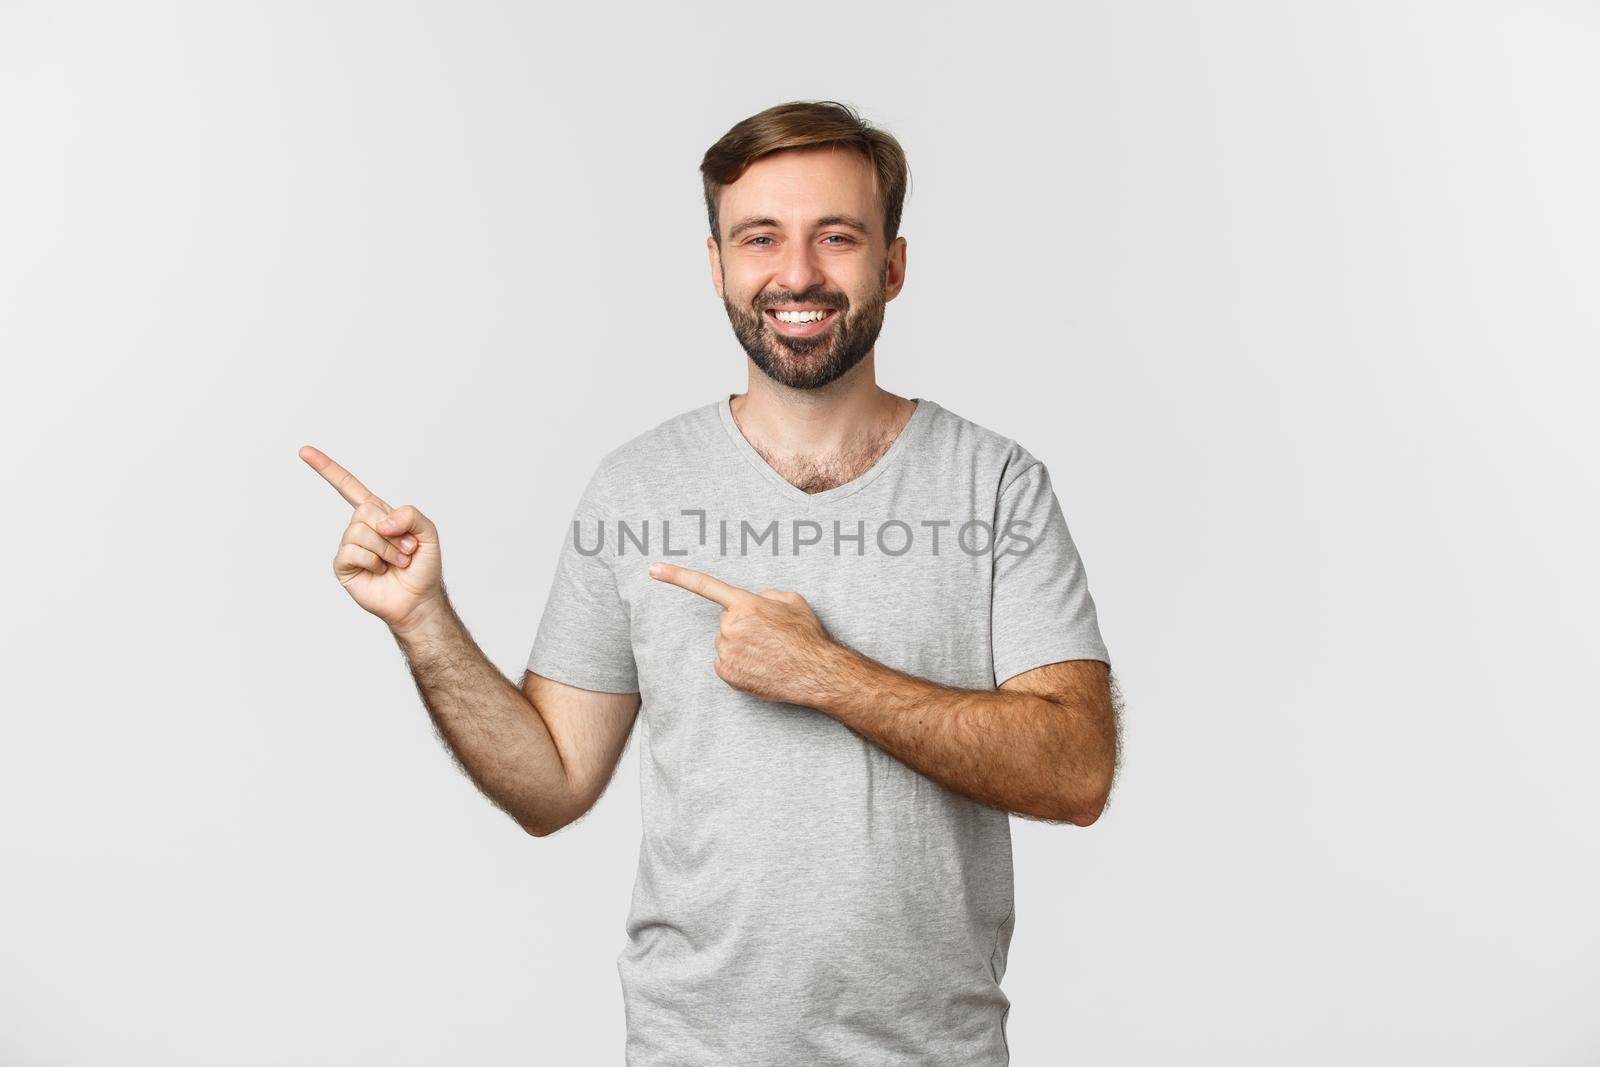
[715,255]
[895,269]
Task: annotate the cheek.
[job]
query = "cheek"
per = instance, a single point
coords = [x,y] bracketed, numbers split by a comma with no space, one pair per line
[860,290]
[741,297]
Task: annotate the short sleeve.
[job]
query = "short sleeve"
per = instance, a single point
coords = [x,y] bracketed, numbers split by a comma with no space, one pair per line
[1041,610]
[584,637]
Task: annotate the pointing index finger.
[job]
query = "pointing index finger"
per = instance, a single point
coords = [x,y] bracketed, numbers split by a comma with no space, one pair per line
[348,485]
[713,589]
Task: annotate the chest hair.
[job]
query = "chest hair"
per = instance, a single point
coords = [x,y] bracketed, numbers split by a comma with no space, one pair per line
[816,474]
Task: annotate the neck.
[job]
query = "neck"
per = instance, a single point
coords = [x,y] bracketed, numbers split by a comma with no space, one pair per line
[817,423]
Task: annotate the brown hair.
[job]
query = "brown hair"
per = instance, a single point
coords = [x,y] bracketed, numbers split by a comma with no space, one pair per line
[807,124]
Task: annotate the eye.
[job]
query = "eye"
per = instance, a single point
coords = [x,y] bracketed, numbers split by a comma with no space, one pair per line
[753,240]
[841,237]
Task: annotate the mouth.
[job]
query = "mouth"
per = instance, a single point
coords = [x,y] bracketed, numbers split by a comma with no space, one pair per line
[809,323]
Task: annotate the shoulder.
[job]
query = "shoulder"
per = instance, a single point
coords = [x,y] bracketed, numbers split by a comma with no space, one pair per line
[670,444]
[965,444]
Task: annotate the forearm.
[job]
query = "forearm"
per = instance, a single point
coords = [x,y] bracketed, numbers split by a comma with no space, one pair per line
[1011,750]
[497,737]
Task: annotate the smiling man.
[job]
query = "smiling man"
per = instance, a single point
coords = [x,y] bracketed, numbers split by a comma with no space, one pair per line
[853,626]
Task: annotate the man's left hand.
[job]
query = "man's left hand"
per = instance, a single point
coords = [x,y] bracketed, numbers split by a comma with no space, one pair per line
[770,644]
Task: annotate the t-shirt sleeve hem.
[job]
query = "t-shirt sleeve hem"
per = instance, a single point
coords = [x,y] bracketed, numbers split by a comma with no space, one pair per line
[598,681]
[1009,668]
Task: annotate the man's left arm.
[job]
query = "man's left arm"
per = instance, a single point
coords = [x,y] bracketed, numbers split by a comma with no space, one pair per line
[1043,745]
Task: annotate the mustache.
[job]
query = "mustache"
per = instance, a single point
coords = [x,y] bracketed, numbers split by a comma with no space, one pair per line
[826,300]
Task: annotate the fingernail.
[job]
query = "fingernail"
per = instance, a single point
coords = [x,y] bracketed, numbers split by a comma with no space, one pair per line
[408,543]
[655,570]
[403,559]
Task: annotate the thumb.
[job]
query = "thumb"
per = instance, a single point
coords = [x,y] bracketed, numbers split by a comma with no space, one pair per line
[407,519]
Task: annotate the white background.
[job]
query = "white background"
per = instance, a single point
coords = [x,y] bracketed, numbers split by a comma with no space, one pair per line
[1298,302]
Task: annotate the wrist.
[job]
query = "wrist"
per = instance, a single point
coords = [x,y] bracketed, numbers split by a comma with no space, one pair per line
[428,616]
[840,672]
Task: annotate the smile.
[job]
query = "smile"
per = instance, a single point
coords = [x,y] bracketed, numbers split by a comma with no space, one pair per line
[800,323]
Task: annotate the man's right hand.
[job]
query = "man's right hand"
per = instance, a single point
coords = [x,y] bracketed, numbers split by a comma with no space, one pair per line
[388,559]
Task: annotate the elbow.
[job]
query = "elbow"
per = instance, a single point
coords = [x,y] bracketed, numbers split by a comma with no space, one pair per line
[544,828]
[1085,816]
[550,813]
[545,831]
[1085,806]
[545,823]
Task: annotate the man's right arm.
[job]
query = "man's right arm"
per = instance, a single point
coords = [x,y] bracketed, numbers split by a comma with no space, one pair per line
[544,755]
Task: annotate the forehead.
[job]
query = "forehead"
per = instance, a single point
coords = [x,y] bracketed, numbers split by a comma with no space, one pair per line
[799,183]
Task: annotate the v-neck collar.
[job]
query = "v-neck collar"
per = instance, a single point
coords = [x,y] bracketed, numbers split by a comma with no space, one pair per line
[919,417]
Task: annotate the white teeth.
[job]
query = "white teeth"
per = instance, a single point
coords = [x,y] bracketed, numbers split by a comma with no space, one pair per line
[800,316]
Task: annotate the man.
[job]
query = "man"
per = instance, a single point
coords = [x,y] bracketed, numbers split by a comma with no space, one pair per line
[859,633]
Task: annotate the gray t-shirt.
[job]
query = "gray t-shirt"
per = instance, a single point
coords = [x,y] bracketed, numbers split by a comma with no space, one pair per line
[802,896]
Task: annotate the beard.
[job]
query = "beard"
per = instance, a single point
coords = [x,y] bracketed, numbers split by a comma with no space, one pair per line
[810,362]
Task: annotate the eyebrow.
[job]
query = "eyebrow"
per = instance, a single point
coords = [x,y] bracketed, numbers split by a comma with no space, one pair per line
[849,221]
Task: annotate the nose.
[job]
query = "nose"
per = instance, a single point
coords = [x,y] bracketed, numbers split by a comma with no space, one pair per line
[800,269]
